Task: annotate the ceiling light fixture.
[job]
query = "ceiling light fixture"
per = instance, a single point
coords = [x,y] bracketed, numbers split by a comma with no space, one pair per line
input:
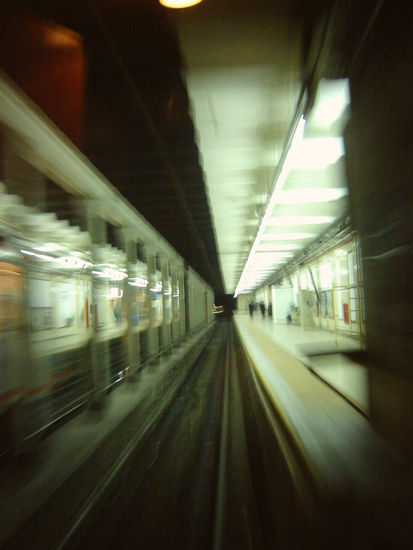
[287,236]
[296,141]
[300,220]
[308,196]
[178,4]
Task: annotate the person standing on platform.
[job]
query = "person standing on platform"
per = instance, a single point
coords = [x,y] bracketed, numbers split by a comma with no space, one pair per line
[270,310]
[262,309]
[251,309]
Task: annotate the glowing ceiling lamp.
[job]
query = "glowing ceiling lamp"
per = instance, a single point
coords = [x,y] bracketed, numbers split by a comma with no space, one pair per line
[179,3]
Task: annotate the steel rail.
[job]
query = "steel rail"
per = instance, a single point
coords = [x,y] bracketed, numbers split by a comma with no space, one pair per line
[152,421]
[222,460]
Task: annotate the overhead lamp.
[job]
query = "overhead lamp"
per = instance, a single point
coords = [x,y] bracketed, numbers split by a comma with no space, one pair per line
[317,153]
[333,97]
[308,196]
[178,4]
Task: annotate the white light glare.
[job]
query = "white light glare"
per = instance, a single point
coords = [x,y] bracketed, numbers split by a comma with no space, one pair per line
[157,288]
[287,236]
[282,176]
[307,196]
[67,262]
[300,220]
[333,97]
[70,262]
[267,247]
[48,247]
[112,274]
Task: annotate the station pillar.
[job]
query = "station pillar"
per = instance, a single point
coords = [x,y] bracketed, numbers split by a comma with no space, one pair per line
[379,153]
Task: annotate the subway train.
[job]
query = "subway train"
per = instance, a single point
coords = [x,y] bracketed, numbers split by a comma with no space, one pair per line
[87,301]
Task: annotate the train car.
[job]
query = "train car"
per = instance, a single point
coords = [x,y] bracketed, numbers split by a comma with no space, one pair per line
[90,293]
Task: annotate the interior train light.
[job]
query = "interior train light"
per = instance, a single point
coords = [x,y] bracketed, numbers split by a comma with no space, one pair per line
[114,293]
[287,236]
[333,98]
[156,288]
[112,274]
[48,247]
[67,262]
[71,262]
[177,4]
[38,256]
[268,247]
[139,282]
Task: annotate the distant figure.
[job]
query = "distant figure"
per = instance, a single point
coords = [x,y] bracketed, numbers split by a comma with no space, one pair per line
[262,309]
[270,310]
[289,319]
[251,309]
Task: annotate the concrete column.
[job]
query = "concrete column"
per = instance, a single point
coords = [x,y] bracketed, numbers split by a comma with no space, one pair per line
[380,166]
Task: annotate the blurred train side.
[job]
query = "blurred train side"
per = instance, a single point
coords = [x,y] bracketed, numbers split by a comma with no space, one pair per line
[84,302]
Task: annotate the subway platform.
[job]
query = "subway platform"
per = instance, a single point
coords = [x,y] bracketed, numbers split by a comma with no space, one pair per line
[329,355]
[350,464]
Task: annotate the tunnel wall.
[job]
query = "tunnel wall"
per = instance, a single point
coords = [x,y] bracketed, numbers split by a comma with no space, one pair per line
[379,150]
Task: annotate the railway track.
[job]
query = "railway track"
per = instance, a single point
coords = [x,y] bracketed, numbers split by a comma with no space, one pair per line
[203,471]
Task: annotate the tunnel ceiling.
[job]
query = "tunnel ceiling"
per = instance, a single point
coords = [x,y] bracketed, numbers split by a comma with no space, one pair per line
[243,72]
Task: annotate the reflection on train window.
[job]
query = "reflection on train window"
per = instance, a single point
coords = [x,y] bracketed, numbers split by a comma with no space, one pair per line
[65,296]
[111,306]
[41,318]
[58,304]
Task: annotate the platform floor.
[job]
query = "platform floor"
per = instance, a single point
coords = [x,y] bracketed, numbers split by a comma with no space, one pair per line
[344,453]
[324,353]
[339,444]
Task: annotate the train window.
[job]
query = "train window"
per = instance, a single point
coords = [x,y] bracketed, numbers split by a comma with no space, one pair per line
[40,304]
[11,296]
[65,297]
